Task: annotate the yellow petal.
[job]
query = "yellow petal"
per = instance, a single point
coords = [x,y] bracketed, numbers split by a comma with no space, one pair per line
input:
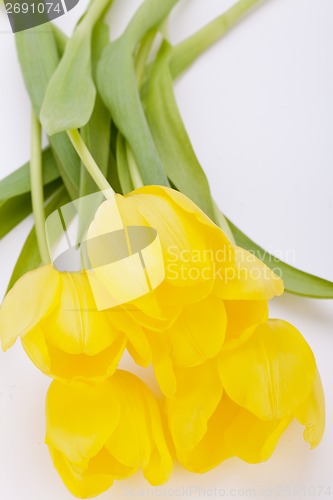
[81,367]
[76,326]
[182,350]
[81,485]
[139,438]
[31,299]
[130,444]
[242,316]
[139,360]
[72,367]
[80,419]
[251,439]
[104,463]
[36,348]
[248,279]
[213,447]
[271,373]
[311,414]
[121,321]
[175,229]
[159,468]
[179,296]
[130,216]
[162,362]
[178,198]
[219,252]
[198,394]
[155,310]
[164,319]
[198,333]
[188,206]
[179,233]
[105,432]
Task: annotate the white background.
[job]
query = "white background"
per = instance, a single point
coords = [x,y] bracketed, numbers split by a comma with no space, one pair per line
[259,110]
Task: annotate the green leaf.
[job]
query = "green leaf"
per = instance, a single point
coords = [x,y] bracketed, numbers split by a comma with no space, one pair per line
[143,54]
[68,163]
[60,38]
[18,182]
[38,56]
[70,95]
[13,211]
[117,83]
[295,281]
[123,167]
[112,176]
[186,52]
[170,136]
[169,133]
[29,258]
[16,209]
[97,133]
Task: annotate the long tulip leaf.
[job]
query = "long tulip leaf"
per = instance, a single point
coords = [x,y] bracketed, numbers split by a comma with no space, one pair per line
[29,257]
[60,38]
[97,132]
[16,209]
[112,176]
[13,211]
[170,136]
[18,182]
[122,166]
[168,130]
[38,56]
[117,84]
[186,52]
[296,281]
[70,95]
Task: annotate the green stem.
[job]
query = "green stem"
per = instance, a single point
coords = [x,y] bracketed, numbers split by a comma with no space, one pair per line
[186,52]
[37,194]
[89,162]
[94,11]
[60,39]
[143,54]
[133,169]
[149,16]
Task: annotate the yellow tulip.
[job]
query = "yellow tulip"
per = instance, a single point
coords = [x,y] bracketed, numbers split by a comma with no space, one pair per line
[209,284]
[240,403]
[199,334]
[61,330]
[100,433]
[198,257]
[189,315]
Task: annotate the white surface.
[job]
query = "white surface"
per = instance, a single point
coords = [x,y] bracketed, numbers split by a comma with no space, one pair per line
[259,110]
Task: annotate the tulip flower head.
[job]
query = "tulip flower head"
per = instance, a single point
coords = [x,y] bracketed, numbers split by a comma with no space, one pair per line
[100,433]
[192,304]
[68,337]
[245,399]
